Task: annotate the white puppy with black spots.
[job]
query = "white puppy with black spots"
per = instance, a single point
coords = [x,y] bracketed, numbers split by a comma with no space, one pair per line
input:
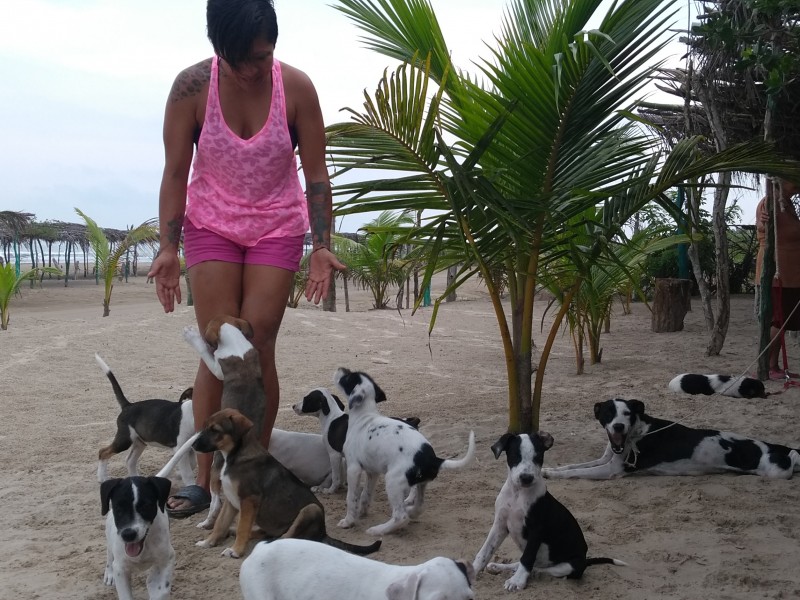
[270,573]
[545,531]
[137,534]
[379,445]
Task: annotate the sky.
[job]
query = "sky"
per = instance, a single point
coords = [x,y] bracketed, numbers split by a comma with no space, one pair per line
[85,83]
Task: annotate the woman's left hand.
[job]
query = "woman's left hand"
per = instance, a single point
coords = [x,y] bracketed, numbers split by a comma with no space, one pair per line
[322,263]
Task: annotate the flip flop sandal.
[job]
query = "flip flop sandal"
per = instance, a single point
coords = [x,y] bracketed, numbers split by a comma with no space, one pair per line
[200,500]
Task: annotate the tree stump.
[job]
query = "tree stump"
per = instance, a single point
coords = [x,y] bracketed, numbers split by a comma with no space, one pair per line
[670,304]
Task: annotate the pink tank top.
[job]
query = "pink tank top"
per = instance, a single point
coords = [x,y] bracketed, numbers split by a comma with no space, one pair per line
[246,190]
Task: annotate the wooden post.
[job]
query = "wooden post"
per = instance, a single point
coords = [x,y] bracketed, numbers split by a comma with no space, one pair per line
[670,304]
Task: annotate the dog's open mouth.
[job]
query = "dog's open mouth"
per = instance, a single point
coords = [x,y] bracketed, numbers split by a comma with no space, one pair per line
[134,549]
[617,441]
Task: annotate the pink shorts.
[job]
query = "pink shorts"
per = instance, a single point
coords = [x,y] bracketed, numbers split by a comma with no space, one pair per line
[200,245]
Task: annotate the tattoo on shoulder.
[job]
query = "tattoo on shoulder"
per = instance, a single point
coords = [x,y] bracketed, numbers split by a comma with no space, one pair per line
[191,81]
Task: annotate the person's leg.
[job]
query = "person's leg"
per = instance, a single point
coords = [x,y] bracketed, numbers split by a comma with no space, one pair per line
[216,290]
[774,348]
[266,291]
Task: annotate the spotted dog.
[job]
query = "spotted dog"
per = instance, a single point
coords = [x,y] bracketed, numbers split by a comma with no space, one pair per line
[379,445]
[639,443]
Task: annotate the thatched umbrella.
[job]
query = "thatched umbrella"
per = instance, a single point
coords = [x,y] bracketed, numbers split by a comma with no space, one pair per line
[11,225]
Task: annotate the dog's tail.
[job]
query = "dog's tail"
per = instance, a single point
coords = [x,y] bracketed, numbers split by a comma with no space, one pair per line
[352,548]
[179,453]
[123,401]
[602,560]
[457,463]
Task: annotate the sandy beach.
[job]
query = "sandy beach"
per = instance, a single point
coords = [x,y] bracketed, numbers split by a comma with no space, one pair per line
[720,536]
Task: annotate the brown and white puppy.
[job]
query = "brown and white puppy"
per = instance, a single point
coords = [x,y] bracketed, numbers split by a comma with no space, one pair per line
[261,490]
[226,350]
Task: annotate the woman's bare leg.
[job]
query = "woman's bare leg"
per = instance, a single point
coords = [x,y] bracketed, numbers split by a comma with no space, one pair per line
[216,290]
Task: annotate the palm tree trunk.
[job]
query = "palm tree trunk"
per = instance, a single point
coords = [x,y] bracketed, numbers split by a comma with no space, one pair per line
[720,329]
[694,259]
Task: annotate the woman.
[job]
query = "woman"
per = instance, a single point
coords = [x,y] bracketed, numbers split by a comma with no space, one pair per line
[786,285]
[244,213]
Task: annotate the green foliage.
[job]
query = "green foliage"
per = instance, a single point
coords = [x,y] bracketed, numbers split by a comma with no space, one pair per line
[377,264]
[9,286]
[514,166]
[108,255]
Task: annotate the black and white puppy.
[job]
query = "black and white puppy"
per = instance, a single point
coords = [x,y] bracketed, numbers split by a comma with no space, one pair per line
[639,443]
[545,531]
[735,387]
[154,422]
[327,407]
[379,445]
[137,534]
[333,421]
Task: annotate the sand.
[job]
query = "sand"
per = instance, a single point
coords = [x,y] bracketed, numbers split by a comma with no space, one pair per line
[720,536]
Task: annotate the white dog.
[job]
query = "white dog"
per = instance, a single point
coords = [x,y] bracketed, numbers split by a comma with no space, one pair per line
[137,534]
[377,445]
[270,573]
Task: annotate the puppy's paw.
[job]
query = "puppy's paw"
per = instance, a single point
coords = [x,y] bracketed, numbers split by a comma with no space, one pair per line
[230,553]
[108,576]
[207,523]
[323,490]
[545,473]
[346,523]
[206,543]
[515,583]
[495,568]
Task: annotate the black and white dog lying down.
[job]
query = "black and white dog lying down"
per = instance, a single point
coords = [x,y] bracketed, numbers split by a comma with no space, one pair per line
[735,387]
[545,531]
[639,443]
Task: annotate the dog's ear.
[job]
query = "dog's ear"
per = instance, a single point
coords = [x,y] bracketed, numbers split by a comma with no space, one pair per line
[379,395]
[162,485]
[338,402]
[500,445]
[465,566]
[405,588]
[240,423]
[211,334]
[187,394]
[546,438]
[598,406]
[245,328]
[636,406]
[105,494]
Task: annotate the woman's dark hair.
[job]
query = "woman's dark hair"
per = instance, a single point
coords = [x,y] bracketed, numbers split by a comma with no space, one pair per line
[233,26]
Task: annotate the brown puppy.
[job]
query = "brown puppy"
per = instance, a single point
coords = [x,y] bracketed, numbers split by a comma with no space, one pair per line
[261,490]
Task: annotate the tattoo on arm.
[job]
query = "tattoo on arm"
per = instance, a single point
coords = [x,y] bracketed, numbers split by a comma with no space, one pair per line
[319,200]
[174,227]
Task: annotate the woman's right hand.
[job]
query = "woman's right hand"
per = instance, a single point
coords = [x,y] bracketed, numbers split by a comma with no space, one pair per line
[166,269]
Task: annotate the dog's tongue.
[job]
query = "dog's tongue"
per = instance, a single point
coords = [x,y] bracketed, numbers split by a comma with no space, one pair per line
[134,548]
[617,439]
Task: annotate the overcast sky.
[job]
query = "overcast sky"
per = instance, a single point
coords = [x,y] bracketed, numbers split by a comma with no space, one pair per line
[84,85]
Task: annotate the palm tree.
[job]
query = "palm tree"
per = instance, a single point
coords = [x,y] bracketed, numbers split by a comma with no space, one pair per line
[9,286]
[108,257]
[375,264]
[505,162]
